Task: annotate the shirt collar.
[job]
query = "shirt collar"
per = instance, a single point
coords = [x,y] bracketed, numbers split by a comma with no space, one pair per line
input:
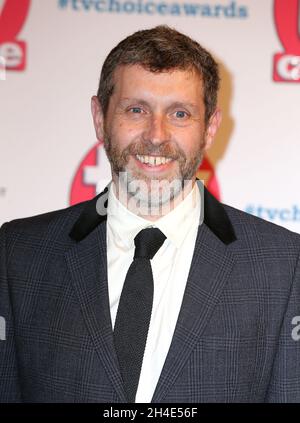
[125,225]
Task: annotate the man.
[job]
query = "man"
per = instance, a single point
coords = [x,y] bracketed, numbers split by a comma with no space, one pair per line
[209,315]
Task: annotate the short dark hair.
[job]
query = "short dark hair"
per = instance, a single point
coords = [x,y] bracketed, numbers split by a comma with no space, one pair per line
[161,49]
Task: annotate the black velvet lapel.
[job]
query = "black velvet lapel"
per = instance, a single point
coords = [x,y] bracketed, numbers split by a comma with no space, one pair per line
[89,218]
[215,216]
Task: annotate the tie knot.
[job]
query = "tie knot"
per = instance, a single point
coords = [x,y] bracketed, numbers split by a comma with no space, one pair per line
[147,242]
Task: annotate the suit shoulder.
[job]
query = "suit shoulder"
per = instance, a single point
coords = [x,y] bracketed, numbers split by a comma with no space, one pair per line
[255,228]
[50,225]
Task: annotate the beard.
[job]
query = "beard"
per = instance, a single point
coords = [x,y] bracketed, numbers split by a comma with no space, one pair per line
[153,191]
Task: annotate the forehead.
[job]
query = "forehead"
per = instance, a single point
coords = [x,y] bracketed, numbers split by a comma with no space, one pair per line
[130,80]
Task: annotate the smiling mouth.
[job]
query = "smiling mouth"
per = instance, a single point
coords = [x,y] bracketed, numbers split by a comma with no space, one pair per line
[153,160]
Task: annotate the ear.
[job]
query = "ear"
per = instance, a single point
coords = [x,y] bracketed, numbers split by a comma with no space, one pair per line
[212,128]
[97,117]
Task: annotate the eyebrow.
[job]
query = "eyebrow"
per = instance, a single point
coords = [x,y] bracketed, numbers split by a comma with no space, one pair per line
[127,100]
[183,104]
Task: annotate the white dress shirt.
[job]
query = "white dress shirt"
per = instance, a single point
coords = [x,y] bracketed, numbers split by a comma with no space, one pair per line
[170,267]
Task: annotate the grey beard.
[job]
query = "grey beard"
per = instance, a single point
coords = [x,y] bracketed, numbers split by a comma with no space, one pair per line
[154,194]
[151,193]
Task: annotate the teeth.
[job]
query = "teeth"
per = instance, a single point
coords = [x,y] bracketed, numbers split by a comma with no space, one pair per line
[140,158]
[153,160]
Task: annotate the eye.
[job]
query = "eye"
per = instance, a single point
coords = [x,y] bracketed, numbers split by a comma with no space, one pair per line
[181,114]
[136,110]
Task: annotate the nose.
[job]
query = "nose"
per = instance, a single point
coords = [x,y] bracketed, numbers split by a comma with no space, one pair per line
[157,130]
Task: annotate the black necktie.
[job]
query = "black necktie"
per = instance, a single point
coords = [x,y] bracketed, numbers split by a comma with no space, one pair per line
[134,311]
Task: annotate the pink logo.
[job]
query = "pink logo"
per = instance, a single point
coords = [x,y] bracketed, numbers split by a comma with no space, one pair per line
[12,19]
[287,64]
[93,174]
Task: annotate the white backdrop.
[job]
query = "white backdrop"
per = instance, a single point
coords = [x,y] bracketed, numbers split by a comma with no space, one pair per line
[46,129]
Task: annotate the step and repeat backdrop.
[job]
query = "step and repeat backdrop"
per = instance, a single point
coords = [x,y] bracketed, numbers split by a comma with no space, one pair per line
[51,53]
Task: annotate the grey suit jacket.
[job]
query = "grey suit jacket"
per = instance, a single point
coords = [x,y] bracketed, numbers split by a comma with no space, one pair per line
[235,338]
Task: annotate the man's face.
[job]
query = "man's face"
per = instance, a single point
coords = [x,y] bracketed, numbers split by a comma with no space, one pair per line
[154,128]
